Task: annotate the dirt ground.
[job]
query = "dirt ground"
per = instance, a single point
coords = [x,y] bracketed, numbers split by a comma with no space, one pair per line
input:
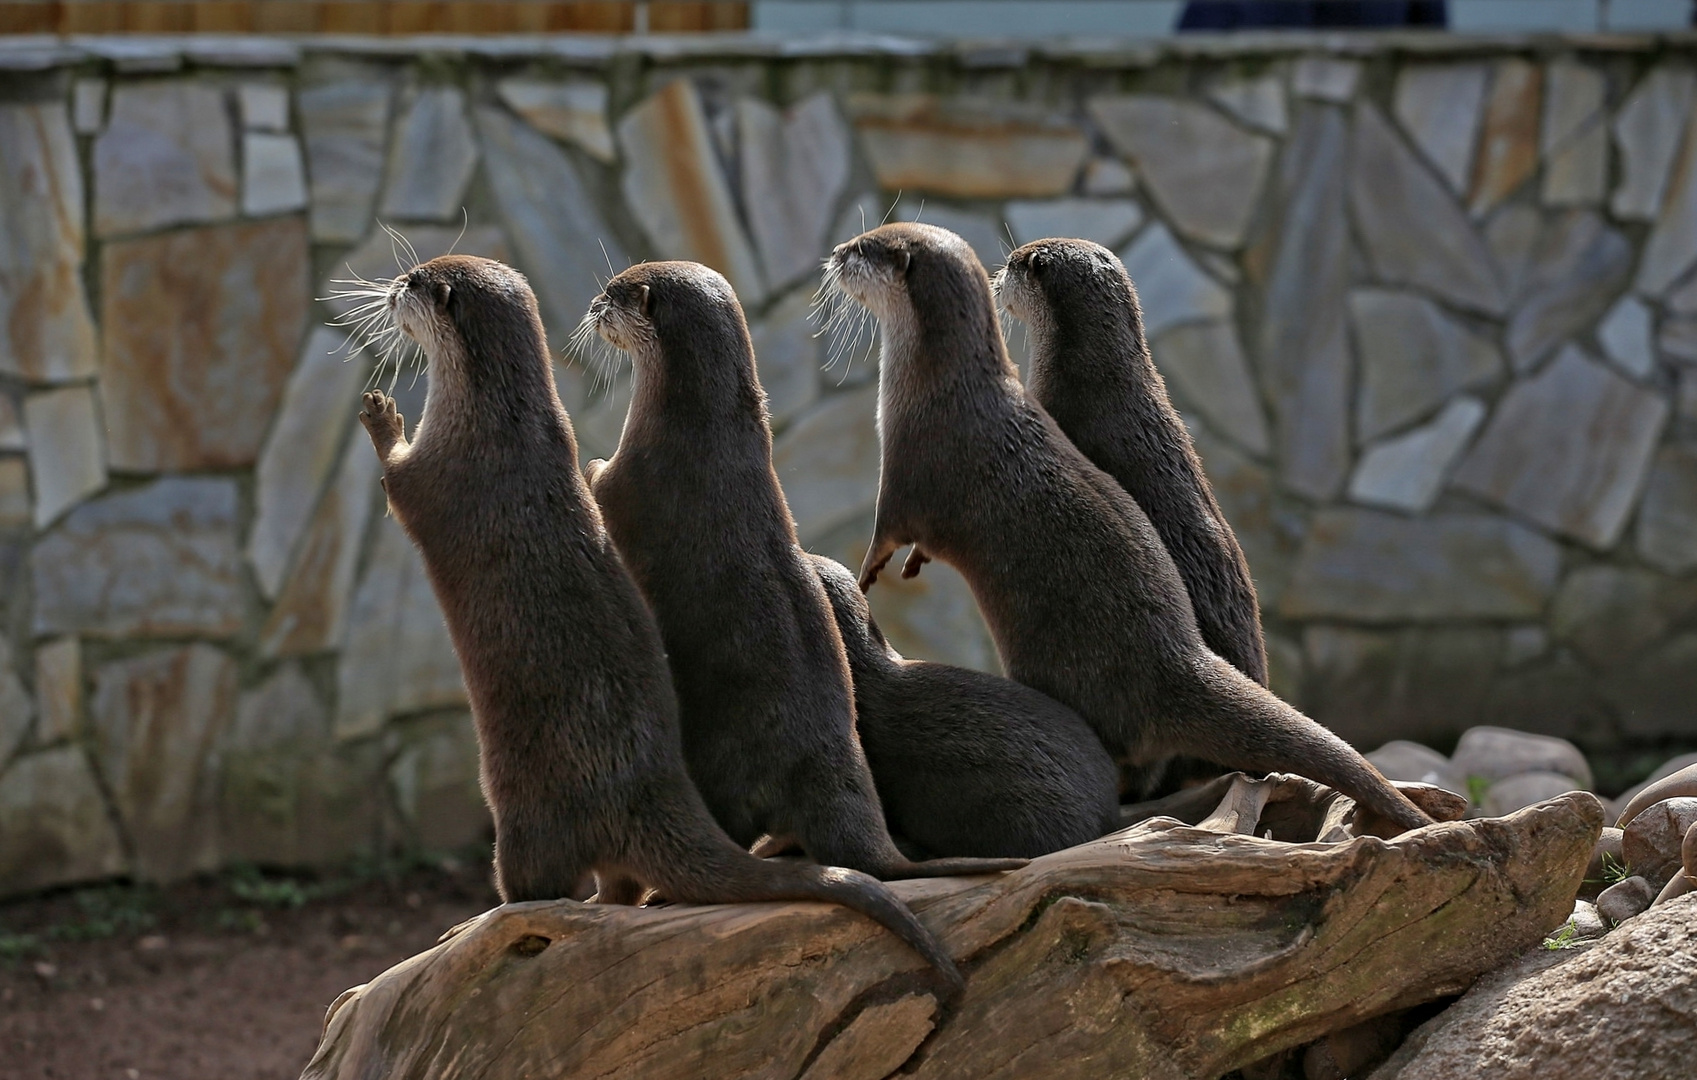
[212,980]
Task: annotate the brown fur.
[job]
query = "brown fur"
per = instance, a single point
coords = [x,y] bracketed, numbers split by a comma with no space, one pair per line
[693,504]
[968,763]
[1082,598]
[576,718]
[1090,370]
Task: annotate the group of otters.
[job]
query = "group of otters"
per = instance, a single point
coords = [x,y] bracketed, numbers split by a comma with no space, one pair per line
[660,675]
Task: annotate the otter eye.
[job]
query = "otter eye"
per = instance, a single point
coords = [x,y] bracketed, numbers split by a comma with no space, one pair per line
[644,303]
[441,293]
[905,261]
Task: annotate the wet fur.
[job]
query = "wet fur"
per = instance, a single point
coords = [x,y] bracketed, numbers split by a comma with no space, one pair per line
[576,718]
[693,504]
[1091,371]
[968,763]
[1082,598]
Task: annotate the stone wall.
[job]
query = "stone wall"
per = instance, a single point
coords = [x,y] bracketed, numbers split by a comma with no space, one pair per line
[1426,301]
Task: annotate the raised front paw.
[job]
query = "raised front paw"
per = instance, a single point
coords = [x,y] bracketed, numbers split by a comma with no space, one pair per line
[382,420]
[915,559]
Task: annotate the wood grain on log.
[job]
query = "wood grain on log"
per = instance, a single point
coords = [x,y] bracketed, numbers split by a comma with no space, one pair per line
[1164,951]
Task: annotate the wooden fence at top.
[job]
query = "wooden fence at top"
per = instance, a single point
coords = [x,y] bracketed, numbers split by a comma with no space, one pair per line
[362,17]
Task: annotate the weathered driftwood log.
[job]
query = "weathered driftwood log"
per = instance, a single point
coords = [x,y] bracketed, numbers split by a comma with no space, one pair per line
[1163,950]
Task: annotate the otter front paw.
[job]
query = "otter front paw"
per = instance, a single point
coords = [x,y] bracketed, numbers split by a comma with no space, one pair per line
[876,560]
[915,559]
[383,422]
[593,469]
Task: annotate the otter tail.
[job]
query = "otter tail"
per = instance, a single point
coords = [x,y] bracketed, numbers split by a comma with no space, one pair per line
[1242,725]
[710,869]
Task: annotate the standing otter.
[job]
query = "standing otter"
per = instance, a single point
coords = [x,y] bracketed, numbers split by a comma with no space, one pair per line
[1090,370]
[1082,598]
[576,718]
[693,505]
[968,763]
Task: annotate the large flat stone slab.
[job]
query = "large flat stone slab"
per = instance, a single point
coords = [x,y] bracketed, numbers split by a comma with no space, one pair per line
[48,335]
[59,689]
[1612,614]
[300,450]
[553,222]
[1103,221]
[675,187]
[202,328]
[1414,231]
[288,795]
[1205,367]
[1172,289]
[67,456]
[1574,140]
[575,112]
[1667,517]
[435,780]
[312,606]
[157,719]
[1419,682]
[1204,171]
[273,174]
[1375,567]
[17,709]
[1408,471]
[1508,137]
[788,352]
[827,462]
[345,124]
[166,158]
[1672,246]
[794,165]
[154,561]
[1441,106]
[972,149]
[1304,352]
[54,826]
[397,657]
[1414,357]
[1258,102]
[1647,129]
[1577,268]
[16,507]
[1568,449]
[431,158]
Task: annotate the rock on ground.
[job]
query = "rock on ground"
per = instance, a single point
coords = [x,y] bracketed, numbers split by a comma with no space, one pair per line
[1623,1009]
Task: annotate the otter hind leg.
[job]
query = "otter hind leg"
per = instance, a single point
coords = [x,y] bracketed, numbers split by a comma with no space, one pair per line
[533,862]
[1240,724]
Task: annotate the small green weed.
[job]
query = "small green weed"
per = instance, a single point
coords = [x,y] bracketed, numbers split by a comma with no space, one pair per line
[1476,788]
[107,912]
[15,947]
[1565,938]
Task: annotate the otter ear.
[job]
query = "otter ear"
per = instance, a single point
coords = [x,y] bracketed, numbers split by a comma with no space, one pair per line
[645,302]
[440,294]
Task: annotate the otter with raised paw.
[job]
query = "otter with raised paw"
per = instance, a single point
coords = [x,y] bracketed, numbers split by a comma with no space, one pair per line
[1081,597]
[576,718]
[694,507]
[1091,371]
[968,763]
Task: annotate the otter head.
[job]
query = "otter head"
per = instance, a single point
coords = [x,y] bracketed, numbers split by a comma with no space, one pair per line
[1065,289]
[682,327]
[926,288]
[862,639]
[474,318]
